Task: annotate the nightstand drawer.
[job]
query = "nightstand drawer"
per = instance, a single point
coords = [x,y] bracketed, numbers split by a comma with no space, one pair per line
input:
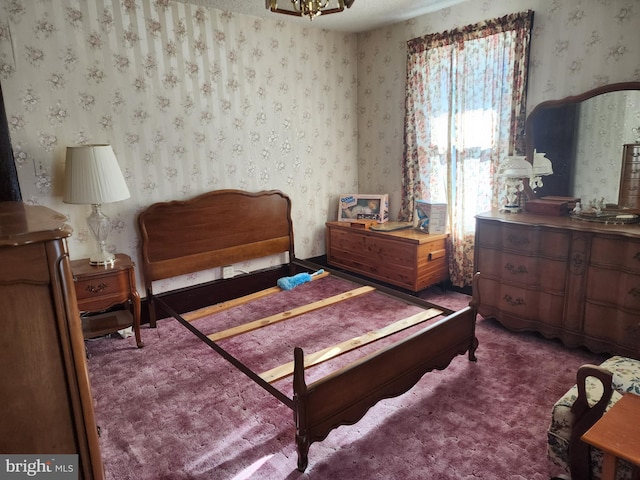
[102,291]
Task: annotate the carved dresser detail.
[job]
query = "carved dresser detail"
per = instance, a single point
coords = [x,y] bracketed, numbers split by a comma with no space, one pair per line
[567,279]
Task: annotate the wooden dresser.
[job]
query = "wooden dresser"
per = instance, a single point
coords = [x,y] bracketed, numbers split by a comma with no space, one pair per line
[406,258]
[565,278]
[629,195]
[47,407]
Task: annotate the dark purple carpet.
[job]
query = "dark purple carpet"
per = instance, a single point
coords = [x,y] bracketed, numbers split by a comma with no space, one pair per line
[176,410]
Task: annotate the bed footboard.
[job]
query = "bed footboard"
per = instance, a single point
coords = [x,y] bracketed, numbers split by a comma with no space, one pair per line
[345,396]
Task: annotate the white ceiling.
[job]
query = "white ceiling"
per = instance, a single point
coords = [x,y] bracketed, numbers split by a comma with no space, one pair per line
[362,16]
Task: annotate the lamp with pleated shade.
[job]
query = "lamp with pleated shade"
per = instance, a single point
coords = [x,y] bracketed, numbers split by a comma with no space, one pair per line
[93,177]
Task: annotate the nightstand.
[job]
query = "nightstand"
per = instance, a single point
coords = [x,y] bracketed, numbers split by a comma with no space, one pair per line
[99,288]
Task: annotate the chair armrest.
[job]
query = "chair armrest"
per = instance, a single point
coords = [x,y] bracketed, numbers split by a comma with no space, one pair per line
[585,416]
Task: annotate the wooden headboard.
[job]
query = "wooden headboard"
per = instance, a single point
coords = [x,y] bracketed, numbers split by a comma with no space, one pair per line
[217,228]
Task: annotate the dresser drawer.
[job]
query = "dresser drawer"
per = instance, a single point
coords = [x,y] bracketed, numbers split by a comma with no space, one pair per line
[630,189]
[616,253]
[522,270]
[612,325]
[499,236]
[16,270]
[632,152]
[525,240]
[632,169]
[613,287]
[523,303]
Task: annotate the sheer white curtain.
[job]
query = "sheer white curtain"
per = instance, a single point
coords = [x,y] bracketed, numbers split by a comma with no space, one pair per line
[465,109]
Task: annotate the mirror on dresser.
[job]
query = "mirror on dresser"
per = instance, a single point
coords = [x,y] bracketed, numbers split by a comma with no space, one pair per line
[588,139]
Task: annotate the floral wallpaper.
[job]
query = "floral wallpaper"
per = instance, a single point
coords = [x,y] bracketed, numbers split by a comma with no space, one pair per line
[577,45]
[191,98]
[195,98]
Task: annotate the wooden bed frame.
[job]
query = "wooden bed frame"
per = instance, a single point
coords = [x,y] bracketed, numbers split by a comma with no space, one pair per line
[229,226]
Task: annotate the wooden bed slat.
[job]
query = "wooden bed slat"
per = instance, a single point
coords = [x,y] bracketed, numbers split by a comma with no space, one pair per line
[328,353]
[220,307]
[263,322]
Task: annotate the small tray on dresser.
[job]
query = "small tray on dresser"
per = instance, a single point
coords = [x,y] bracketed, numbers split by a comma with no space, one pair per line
[608,218]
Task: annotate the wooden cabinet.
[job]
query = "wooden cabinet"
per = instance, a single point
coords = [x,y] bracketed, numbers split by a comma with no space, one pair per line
[565,278]
[101,287]
[47,407]
[629,195]
[406,258]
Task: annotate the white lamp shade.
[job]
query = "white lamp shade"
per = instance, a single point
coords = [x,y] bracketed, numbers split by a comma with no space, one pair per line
[515,167]
[93,176]
[542,166]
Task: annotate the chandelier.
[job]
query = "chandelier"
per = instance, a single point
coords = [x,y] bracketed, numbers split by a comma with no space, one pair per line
[308,8]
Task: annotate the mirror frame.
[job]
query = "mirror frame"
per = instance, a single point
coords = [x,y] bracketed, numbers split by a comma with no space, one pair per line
[613,87]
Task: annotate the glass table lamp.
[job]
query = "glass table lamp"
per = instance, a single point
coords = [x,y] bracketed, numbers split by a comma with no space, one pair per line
[541,168]
[514,169]
[93,177]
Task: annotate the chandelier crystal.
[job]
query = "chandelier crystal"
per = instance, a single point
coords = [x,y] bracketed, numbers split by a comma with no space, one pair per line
[308,8]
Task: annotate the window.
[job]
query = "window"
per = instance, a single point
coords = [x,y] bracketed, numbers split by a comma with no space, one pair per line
[465,111]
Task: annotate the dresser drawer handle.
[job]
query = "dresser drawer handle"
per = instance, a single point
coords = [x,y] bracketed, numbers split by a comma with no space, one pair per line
[436,254]
[634,292]
[515,270]
[98,289]
[514,302]
[637,256]
[517,240]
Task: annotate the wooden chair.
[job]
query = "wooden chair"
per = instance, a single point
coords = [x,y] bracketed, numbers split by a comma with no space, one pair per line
[597,388]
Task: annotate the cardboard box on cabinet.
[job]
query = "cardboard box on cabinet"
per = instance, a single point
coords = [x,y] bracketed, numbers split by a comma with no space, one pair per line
[430,217]
[362,207]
